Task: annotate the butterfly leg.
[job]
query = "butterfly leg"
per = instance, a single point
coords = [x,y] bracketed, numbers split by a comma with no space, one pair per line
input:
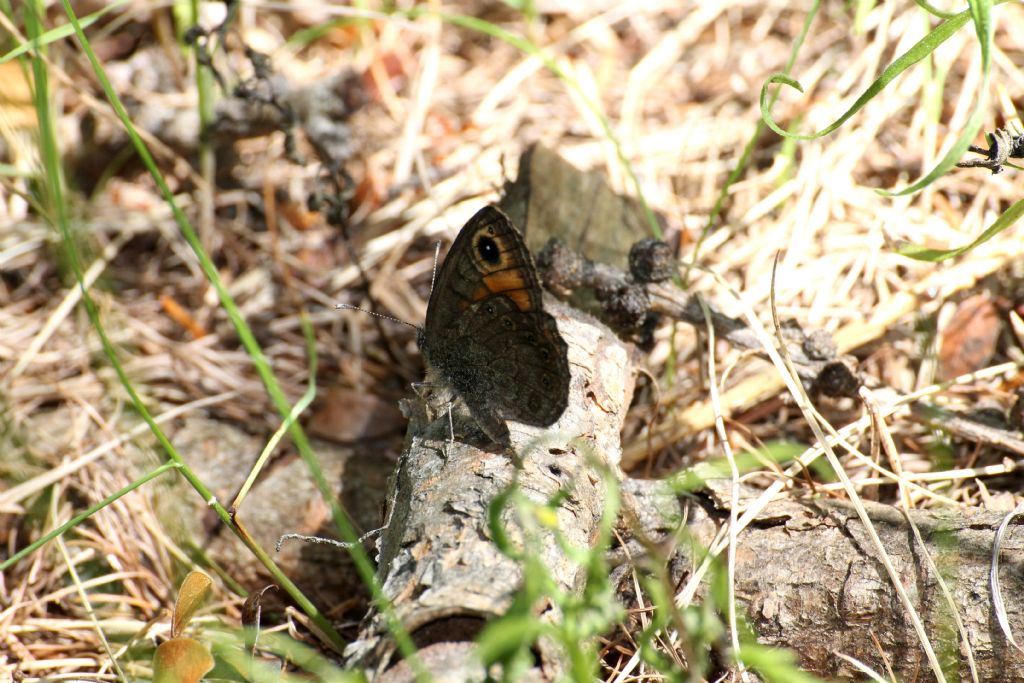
[422,390]
[451,432]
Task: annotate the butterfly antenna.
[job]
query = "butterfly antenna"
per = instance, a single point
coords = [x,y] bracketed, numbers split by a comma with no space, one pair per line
[349,307]
[433,275]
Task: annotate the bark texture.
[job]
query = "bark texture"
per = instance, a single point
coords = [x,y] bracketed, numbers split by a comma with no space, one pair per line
[438,564]
[551,198]
[809,579]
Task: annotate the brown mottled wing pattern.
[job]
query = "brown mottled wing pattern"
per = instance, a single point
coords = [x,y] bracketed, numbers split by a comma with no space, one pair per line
[487,332]
[466,278]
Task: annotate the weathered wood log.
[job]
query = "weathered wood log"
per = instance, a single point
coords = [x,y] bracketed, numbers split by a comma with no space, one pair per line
[437,563]
[809,579]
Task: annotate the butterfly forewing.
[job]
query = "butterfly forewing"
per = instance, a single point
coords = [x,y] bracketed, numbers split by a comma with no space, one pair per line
[487,258]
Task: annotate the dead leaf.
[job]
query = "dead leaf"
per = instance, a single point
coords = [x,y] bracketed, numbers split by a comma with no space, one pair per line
[181,660]
[969,340]
[600,224]
[194,591]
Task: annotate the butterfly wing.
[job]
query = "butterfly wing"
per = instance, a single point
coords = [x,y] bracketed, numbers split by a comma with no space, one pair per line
[517,361]
[488,257]
[487,331]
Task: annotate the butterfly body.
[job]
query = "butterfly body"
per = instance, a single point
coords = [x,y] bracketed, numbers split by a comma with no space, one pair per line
[487,334]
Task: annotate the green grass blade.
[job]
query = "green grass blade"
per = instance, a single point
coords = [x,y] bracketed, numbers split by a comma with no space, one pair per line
[362,562]
[919,51]
[81,517]
[933,10]
[981,15]
[59,33]
[919,253]
[748,151]
[980,12]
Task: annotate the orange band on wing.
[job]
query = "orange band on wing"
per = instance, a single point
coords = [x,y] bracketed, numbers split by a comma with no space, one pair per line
[504,281]
[521,298]
[509,283]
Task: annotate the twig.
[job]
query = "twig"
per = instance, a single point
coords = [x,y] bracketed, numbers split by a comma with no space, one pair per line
[628,301]
[1004,144]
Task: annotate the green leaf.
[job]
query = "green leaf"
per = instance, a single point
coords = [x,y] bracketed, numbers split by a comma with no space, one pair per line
[781,451]
[981,14]
[775,664]
[933,10]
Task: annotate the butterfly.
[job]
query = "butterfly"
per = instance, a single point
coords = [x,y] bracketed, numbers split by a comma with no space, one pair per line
[487,335]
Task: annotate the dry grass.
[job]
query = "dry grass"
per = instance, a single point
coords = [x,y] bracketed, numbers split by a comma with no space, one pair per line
[449,112]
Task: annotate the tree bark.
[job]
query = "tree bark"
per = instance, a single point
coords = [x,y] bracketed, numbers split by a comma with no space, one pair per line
[809,579]
[438,565]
